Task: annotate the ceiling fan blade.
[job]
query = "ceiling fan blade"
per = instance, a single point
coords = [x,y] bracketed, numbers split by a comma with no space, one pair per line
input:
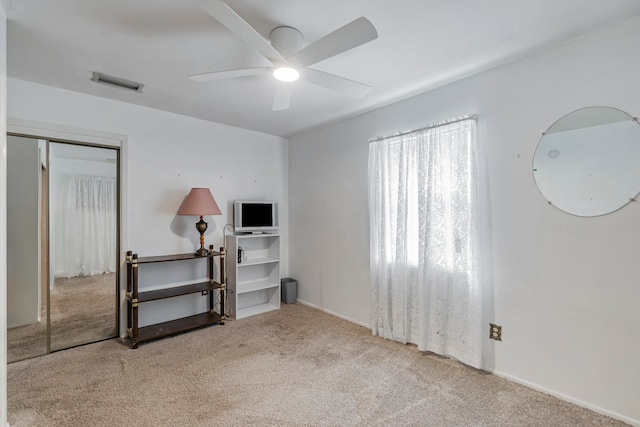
[352,35]
[282,96]
[227,17]
[335,83]
[229,74]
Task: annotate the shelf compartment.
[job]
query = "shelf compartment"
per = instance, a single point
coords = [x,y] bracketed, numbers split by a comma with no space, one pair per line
[257,261]
[177,326]
[257,285]
[258,272]
[259,247]
[144,296]
[256,309]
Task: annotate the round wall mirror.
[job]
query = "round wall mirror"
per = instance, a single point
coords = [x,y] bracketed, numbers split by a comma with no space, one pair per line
[588,162]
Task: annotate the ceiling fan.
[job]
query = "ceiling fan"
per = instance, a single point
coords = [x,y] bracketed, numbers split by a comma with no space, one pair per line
[291,60]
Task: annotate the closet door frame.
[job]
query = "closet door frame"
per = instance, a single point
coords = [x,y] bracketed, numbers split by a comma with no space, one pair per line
[66,134]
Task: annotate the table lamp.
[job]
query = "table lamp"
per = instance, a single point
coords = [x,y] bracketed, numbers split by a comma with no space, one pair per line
[200,202]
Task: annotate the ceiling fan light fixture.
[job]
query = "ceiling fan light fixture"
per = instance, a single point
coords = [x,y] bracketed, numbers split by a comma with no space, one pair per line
[286,74]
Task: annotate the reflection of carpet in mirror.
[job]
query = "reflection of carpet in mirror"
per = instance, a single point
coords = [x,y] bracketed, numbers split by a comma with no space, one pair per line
[83,310]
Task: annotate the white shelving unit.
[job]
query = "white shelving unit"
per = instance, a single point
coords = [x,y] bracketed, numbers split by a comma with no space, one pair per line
[253,284]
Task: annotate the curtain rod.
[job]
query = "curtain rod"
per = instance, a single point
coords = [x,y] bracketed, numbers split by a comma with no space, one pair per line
[431,126]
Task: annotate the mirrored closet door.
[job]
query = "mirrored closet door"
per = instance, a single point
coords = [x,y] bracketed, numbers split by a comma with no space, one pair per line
[62,245]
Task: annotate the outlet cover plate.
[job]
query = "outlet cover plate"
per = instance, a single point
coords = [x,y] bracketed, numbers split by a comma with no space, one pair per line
[495,332]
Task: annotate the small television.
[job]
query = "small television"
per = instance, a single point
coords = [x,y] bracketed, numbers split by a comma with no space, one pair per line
[255,217]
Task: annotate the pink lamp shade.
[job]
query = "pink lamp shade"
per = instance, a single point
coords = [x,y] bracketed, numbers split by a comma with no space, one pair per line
[199,202]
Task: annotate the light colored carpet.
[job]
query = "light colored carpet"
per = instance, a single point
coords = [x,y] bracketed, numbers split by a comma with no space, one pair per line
[83,310]
[293,367]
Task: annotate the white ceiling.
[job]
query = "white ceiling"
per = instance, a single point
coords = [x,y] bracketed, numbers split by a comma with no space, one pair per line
[422,44]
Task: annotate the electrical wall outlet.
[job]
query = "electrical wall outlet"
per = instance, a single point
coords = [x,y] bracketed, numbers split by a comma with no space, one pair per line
[495,332]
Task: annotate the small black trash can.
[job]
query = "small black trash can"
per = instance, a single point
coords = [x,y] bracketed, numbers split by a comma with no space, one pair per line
[288,290]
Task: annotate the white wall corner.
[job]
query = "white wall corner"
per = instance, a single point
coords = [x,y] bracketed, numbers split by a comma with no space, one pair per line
[3,216]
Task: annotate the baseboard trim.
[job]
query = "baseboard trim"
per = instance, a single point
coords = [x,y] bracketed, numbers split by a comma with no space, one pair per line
[631,421]
[333,313]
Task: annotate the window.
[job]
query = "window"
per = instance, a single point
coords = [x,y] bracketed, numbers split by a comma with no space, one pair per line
[423,184]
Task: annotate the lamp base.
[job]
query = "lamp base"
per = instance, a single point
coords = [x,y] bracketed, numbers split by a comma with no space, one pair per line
[202,252]
[201,226]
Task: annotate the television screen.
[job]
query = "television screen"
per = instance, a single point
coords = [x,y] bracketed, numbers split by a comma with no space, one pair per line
[257,215]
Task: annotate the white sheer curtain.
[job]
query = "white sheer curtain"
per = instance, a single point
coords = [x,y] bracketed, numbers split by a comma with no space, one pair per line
[424,216]
[89,234]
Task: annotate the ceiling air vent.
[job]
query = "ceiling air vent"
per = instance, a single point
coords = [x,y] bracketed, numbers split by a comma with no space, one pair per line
[117,81]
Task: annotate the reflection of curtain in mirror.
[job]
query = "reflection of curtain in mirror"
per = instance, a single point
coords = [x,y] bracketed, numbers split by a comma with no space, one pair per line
[90,226]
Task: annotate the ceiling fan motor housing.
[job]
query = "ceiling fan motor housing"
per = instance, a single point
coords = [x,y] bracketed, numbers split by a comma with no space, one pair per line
[286,40]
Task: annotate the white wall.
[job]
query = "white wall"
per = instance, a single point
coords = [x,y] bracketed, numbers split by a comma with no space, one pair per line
[566,289]
[168,154]
[3,216]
